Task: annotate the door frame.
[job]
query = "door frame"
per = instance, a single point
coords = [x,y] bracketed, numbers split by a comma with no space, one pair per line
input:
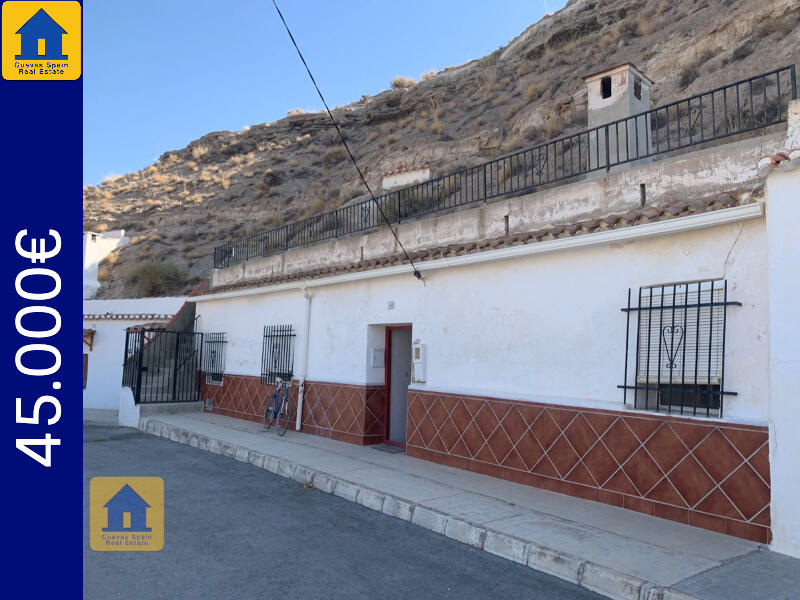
[387,361]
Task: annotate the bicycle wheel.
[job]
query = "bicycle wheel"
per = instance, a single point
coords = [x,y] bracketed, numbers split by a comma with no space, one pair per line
[269,412]
[284,413]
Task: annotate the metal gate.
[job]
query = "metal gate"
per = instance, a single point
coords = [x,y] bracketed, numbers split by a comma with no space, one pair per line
[162,365]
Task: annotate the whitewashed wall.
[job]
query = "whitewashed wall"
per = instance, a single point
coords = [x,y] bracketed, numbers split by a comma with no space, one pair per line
[104,378]
[546,327]
[96,246]
[783,219]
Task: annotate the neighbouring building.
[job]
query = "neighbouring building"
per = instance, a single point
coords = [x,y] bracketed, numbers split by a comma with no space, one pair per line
[609,315]
[96,246]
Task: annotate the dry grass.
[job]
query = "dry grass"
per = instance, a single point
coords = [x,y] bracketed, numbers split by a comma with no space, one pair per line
[156,278]
[511,112]
[333,156]
[199,151]
[487,78]
[500,100]
[533,91]
[554,127]
[428,75]
[402,83]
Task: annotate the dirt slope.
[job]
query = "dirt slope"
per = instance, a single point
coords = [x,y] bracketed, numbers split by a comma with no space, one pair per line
[230,184]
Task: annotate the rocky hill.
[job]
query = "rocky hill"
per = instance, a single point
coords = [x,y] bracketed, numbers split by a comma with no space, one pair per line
[230,184]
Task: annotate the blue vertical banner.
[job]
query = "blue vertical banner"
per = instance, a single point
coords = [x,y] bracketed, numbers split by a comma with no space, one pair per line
[40,240]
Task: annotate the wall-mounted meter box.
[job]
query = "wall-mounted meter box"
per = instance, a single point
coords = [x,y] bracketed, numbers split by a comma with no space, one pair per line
[419,358]
[377,361]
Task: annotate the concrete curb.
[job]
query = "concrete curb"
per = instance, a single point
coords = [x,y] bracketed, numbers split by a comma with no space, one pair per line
[605,581]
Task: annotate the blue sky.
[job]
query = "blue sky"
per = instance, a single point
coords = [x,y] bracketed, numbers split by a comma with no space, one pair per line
[159,74]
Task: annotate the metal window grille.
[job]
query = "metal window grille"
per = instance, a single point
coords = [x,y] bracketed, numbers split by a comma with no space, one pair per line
[214,358]
[679,364]
[277,357]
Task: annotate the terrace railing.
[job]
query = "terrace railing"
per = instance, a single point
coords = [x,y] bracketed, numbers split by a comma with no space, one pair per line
[737,108]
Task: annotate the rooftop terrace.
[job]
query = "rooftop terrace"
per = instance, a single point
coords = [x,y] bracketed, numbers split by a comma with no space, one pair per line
[734,111]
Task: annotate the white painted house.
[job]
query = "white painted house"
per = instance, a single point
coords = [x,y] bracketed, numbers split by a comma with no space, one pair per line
[615,322]
[96,246]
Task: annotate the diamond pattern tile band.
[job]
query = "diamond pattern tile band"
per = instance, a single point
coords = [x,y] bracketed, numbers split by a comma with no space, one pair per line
[349,413]
[705,473]
[710,474]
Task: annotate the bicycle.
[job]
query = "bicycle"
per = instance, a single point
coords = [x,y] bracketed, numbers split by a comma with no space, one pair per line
[281,410]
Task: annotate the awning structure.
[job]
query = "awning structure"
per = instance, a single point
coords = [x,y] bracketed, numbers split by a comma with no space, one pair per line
[88,337]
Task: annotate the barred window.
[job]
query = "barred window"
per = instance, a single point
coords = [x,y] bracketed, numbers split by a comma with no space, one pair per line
[679,363]
[277,356]
[214,358]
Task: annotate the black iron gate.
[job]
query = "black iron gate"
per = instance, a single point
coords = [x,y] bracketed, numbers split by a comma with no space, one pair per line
[162,365]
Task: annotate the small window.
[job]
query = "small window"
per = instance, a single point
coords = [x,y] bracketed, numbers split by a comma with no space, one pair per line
[637,88]
[605,87]
[277,356]
[214,358]
[679,363]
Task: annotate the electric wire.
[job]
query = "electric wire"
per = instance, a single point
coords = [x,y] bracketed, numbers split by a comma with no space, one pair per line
[417,274]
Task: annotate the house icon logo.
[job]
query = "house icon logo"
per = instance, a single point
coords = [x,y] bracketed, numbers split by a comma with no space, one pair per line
[41,38]
[41,41]
[126,514]
[127,511]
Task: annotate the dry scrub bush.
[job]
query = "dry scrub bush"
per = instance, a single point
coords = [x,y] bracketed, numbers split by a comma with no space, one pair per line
[199,151]
[533,91]
[333,156]
[402,83]
[157,278]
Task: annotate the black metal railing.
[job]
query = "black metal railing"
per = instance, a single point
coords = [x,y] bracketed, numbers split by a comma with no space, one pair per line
[214,358]
[737,108]
[162,365]
[277,355]
[679,364]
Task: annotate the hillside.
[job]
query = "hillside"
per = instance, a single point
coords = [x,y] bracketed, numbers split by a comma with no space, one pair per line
[229,184]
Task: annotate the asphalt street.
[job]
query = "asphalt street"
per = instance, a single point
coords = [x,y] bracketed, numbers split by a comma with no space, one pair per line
[235,531]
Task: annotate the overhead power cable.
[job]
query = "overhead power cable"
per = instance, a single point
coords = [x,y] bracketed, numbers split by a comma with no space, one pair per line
[417,274]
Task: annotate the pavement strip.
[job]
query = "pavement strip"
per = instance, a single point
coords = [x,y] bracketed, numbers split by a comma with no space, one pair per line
[597,578]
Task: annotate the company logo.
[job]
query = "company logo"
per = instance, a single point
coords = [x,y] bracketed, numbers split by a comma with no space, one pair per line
[126,514]
[41,40]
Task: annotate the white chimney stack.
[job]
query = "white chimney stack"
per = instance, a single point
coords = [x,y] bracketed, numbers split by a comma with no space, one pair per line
[614,94]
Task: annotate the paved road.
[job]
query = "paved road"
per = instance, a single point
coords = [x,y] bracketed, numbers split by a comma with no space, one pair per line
[235,531]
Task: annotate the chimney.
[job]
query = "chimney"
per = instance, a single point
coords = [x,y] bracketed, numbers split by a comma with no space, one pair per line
[614,96]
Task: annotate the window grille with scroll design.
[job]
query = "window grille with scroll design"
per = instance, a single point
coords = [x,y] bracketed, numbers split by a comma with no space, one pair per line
[679,362]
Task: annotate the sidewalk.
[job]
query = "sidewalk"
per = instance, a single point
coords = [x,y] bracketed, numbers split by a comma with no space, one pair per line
[616,552]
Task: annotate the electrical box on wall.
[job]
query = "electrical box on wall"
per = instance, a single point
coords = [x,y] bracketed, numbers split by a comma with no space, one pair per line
[419,358]
[377,358]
